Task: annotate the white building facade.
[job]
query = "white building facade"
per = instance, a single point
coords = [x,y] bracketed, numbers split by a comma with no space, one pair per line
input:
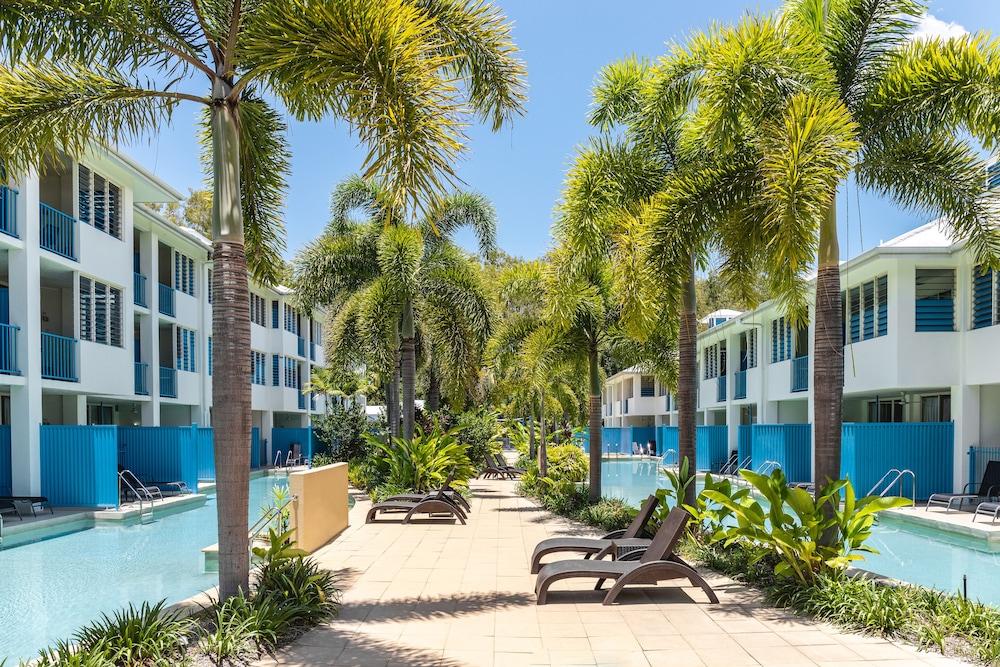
[921,345]
[106,314]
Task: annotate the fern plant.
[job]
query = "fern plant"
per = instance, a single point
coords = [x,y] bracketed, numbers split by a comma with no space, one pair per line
[427,460]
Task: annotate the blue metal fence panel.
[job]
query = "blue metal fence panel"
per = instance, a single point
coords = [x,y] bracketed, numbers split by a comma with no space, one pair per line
[666,444]
[869,450]
[711,446]
[161,453]
[79,465]
[788,445]
[5,474]
[744,443]
[282,440]
[611,439]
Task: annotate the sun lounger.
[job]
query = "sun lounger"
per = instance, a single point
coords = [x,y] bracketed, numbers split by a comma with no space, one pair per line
[491,471]
[8,507]
[450,493]
[991,510]
[650,566]
[134,487]
[32,502]
[626,539]
[437,503]
[502,464]
[986,490]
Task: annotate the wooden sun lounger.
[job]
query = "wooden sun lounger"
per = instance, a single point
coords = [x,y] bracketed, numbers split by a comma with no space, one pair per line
[492,471]
[626,539]
[655,564]
[437,503]
[450,493]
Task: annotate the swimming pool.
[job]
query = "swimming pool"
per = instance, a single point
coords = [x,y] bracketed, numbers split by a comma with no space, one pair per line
[49,588]
[907,552]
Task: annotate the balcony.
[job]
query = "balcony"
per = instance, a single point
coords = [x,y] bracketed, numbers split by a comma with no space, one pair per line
[739,384]
[8,211]
[302,400]
[166,299]
[168,382]
[139,290]
[720,389]
[800,373]
[302,347]
[8,349]
[141,379]
[59,357]
[57,231]
[312,351]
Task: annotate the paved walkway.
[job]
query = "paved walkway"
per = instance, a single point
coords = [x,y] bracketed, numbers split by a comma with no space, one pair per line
[441,594]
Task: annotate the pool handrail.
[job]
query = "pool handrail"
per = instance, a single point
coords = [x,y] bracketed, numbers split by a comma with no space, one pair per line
[135,492]
[667,453]
[883,487]
[265,519]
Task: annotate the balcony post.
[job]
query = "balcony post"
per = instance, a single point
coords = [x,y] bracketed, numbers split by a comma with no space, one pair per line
[25,312]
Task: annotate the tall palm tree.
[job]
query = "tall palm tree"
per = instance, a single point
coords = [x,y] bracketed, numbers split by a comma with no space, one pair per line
[915,109]
[110,71]
[388,281]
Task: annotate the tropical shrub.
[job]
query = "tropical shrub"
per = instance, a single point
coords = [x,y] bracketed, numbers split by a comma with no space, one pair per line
[64,654]
[321,459]
[426,461]
[608,514]
[567,462]
[340,433]
[709,516]
[479,431]
[287,576]
[242,625]
[789,524]
[136,636]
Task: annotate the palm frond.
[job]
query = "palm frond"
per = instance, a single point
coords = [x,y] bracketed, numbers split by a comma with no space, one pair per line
[332,265]
[618,93]
[399,252]
[463,209]
[357,194]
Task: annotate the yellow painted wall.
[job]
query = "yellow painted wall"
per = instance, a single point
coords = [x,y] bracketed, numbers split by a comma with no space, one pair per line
[319,511]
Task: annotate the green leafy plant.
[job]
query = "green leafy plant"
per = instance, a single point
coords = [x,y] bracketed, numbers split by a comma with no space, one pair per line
[242,624]
[789,523]
[321,459]
[427,460]
[479,431]
[678,482]
[568,463]
[137,636]
[608,514]
[340,432]
[288,576]
[64,654]
[279,496]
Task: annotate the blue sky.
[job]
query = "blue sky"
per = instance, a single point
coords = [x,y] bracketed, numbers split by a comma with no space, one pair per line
[521,168]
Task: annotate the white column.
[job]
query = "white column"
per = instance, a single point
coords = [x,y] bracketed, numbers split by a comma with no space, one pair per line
[25,312]
[965,412]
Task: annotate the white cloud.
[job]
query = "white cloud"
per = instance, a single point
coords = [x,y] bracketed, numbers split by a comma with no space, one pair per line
[931,26]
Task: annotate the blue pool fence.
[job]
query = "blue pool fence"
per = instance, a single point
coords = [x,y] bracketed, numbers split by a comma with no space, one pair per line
[711,446]
[787,445]
[869,450]
[282,440]
[161,453]
[744,444]
[79,465]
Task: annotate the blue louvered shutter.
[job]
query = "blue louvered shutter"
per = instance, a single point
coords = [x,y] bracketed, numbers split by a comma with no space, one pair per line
[982,298]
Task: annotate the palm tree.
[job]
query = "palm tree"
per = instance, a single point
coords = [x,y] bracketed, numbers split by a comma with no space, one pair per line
[909,105]
[391,285]
[99,72]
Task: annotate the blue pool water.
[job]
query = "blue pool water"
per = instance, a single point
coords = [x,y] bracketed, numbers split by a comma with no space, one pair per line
[50,588]
[907,552]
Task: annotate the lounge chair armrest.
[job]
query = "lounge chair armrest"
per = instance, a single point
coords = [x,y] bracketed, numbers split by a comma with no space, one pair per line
[635,554]
[614,535]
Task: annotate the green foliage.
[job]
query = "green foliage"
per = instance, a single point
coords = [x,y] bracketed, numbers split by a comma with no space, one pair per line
[709,516]
[65,654]
[243,624]
[321,459]
[340,432]
[426,461]
[290,578]
[567,462]
[787,523]
[608,514]
[136,636]
[479,431]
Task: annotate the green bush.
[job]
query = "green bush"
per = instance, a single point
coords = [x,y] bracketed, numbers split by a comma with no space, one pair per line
[242,625]
[479,431]
[340,433]
[608,514]
[64,654]
[137,636]
[288,577]
[791,525]
[567,462]
[426,461]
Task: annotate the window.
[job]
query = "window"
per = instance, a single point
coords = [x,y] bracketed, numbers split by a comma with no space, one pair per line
[711,361]
[984,291]
[647,386]
[291,319]
[291,373]
[258,310]
[885,410]
[749,359]
[866,310]
[935,408]
[276,369]
[186,347]
[100,202]
[209,361]
[258,366]
[935,304]
[274,315]
[781,340]
[184,276]
[208,286]
[100,313]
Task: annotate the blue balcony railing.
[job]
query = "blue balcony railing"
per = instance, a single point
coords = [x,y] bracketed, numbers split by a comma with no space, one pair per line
[8,211]
[57,231]
[166,299]
[800,373]
[139,290]
[168,382]
[312,351]
[141,378]
[302,347]
[8,349]
[739,384]
[720,389]
[59,357]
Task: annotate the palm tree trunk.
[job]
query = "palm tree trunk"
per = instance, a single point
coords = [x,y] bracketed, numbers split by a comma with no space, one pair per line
[687,380]
[594,424]
[531,435]
[828,355]
[408,368]
[433,389]
[231,323]
[392,399]
[543,456]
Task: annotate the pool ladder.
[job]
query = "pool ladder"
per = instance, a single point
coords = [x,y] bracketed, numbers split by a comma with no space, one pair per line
[666,455]
[264,522]
[735,465]
[894,477]
[144,512]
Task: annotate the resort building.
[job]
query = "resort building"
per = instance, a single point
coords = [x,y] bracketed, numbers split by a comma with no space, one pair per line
[106,319]
[922,375]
